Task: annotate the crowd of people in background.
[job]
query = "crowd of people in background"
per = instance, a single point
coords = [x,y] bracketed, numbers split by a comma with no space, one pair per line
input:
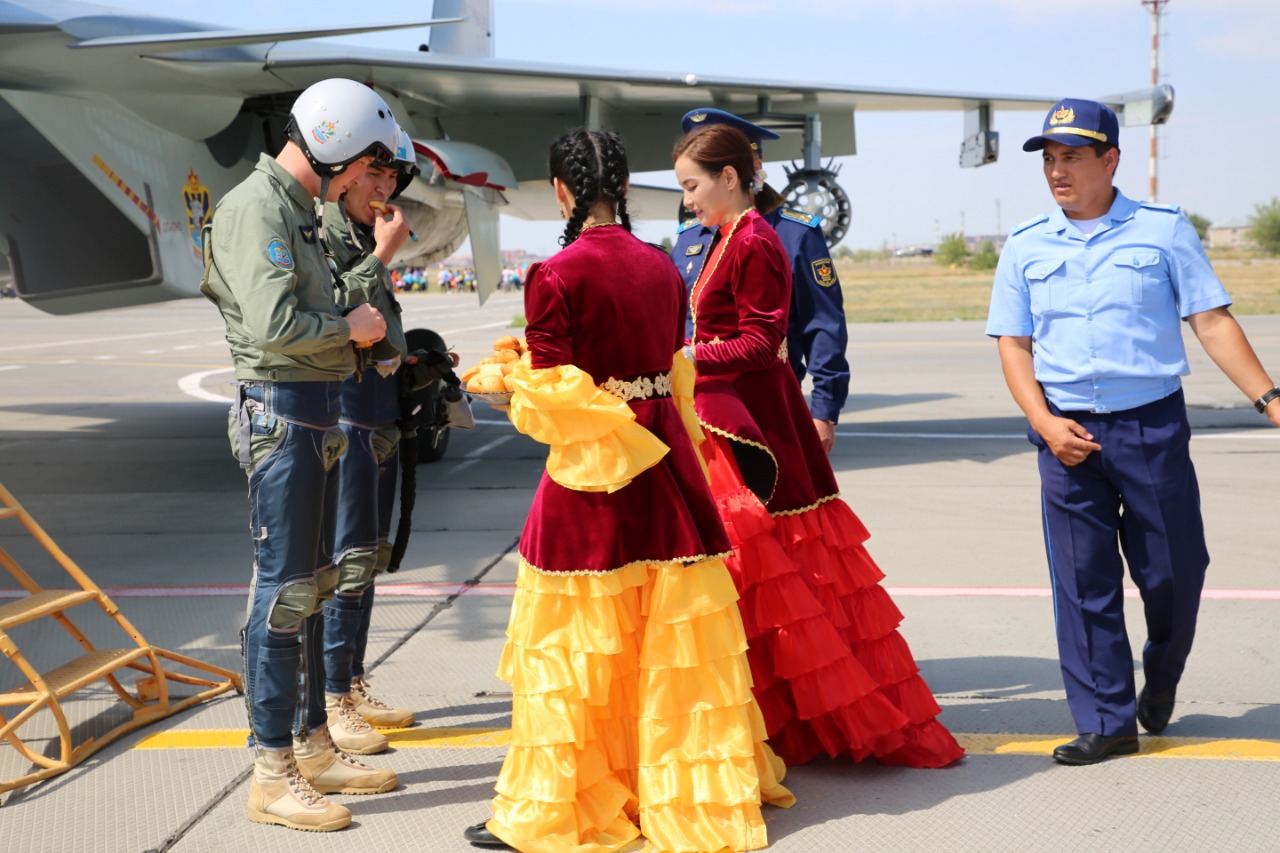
[453,279]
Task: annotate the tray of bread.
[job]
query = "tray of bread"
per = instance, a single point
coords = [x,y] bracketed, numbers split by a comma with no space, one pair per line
[490,378]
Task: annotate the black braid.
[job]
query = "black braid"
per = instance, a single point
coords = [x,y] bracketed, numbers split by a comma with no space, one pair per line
[594,165]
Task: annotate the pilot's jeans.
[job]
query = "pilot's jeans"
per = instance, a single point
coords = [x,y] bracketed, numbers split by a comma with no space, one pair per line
[1137,495]
[367,485]
[286,437]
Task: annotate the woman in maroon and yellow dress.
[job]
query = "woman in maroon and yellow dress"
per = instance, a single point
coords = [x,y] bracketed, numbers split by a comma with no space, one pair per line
[632,711]
[832,673]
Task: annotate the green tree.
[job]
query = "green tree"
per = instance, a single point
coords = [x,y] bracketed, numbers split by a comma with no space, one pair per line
[666,245]
[986,258]
[1264,227]
[952,250]
[1200,223]
[843,253]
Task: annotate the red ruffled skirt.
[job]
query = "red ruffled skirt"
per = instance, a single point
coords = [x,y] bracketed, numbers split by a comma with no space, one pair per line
[832,674]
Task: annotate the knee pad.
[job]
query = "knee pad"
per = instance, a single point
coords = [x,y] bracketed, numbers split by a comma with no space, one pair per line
[386,440]
[335,445]
[384,558]
[326,585]
[355,571]
[295,602]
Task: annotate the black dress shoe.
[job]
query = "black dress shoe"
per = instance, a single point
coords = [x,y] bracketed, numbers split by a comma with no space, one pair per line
[1090,749]
[480,836]
[1155,709]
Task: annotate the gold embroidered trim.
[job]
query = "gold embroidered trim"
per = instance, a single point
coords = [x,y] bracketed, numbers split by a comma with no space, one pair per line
[688,561]
[749,443]
[695,295]
[782,351]
[805,509]
[639,389]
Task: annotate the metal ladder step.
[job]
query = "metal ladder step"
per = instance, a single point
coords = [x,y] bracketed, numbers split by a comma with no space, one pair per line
[41,604]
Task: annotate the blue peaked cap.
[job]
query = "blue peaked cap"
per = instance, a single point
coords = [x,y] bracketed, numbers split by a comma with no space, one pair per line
[1077,123]
[695,119]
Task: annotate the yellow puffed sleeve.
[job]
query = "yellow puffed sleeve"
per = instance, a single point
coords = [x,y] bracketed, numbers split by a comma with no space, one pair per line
[596,445]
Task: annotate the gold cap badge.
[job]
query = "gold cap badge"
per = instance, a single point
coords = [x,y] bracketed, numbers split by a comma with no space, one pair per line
[698,117]
[1063,115]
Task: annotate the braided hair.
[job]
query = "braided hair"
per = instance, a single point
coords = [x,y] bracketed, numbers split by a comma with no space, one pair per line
[593,165]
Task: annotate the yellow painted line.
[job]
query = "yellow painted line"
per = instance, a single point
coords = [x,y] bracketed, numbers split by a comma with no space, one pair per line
[1204,748]
[1201,748]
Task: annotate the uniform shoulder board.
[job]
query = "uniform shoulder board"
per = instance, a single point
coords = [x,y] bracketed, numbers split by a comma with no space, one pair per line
[686,225]
[800,216]
[1018,229]
[1167,208]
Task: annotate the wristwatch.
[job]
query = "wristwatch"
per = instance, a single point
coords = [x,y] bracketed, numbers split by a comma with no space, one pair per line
[1261,403]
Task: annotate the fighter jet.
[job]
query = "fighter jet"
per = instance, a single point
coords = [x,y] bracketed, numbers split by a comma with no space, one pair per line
[120,132]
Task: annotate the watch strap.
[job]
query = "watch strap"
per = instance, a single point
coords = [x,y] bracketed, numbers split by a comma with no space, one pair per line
[1261,403]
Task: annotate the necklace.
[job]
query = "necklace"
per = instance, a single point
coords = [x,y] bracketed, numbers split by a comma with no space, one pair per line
[695,292]
[587,225]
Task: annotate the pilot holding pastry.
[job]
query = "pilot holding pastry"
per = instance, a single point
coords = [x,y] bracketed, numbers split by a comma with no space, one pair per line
[362,234]
[291,343]
[816,333]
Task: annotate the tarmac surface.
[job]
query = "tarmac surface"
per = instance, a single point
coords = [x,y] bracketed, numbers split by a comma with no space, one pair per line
[112,436]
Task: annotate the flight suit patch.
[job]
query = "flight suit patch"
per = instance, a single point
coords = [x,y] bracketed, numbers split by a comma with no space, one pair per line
[824,272]
[279,255]
[308,233]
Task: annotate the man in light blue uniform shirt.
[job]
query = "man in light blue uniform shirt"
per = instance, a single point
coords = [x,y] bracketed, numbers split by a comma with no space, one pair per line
[816,331]
[1085,307]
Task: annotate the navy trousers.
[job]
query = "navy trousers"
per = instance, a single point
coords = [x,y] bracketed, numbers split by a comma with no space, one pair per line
[1139,496]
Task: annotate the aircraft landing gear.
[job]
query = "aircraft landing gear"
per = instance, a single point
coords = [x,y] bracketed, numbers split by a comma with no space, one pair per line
[816,191]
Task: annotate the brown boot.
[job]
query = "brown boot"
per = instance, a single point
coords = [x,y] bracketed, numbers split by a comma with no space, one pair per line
[349,730]
[375,711]
[280,794]
[331,771]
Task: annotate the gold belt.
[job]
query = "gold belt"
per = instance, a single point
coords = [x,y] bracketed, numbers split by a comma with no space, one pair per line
[639,387]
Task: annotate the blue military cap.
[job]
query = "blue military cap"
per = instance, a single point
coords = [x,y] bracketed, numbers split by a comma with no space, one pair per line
[1077,123]
[708,115]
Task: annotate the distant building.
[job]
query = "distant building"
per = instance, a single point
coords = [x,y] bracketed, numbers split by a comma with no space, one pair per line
[975,241]
[1228,235]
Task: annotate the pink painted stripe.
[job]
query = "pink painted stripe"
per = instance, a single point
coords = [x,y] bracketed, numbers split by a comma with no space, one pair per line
[443,589]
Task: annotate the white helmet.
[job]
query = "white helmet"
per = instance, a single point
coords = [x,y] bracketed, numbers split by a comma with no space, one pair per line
[337,121]
[406,162]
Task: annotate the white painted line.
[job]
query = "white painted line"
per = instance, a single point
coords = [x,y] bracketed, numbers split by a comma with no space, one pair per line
[12,366]
[69,344]
[416,590]
[150,352]
[476,455]
[185,346]
[67,361]
[499,325]
[103,357]
[190,385]
[1251,434]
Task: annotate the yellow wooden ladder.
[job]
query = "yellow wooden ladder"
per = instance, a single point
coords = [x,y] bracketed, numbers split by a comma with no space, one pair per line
[45,691]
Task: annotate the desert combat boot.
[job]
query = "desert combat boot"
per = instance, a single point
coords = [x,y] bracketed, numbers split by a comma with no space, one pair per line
[279,794]
[332,771]
[375,711]
[349,730]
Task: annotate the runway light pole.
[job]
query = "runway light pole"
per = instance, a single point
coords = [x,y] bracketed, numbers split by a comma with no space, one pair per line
[1157,8]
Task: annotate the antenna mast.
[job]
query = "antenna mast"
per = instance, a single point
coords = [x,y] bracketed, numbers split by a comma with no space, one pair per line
[1157,8]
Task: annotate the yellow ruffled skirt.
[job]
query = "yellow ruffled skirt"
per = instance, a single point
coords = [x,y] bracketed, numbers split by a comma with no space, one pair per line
[632,715]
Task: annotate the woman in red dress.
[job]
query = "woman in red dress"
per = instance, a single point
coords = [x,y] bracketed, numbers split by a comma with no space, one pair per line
[832,673]
[632,711]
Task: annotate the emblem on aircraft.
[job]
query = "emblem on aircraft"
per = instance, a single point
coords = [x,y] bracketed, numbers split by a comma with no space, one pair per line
[1063,115]
[195,197]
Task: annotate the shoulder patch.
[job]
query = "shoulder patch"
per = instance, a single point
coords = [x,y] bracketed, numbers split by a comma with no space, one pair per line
[686,225]
[1018,229]
[800,216]
[824,272]
[1167,208]
[279,255]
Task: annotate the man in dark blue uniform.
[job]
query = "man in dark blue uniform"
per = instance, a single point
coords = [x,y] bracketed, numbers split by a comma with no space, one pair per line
[816,333]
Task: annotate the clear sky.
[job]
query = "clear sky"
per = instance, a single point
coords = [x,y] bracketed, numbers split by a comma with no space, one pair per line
[1222,56]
